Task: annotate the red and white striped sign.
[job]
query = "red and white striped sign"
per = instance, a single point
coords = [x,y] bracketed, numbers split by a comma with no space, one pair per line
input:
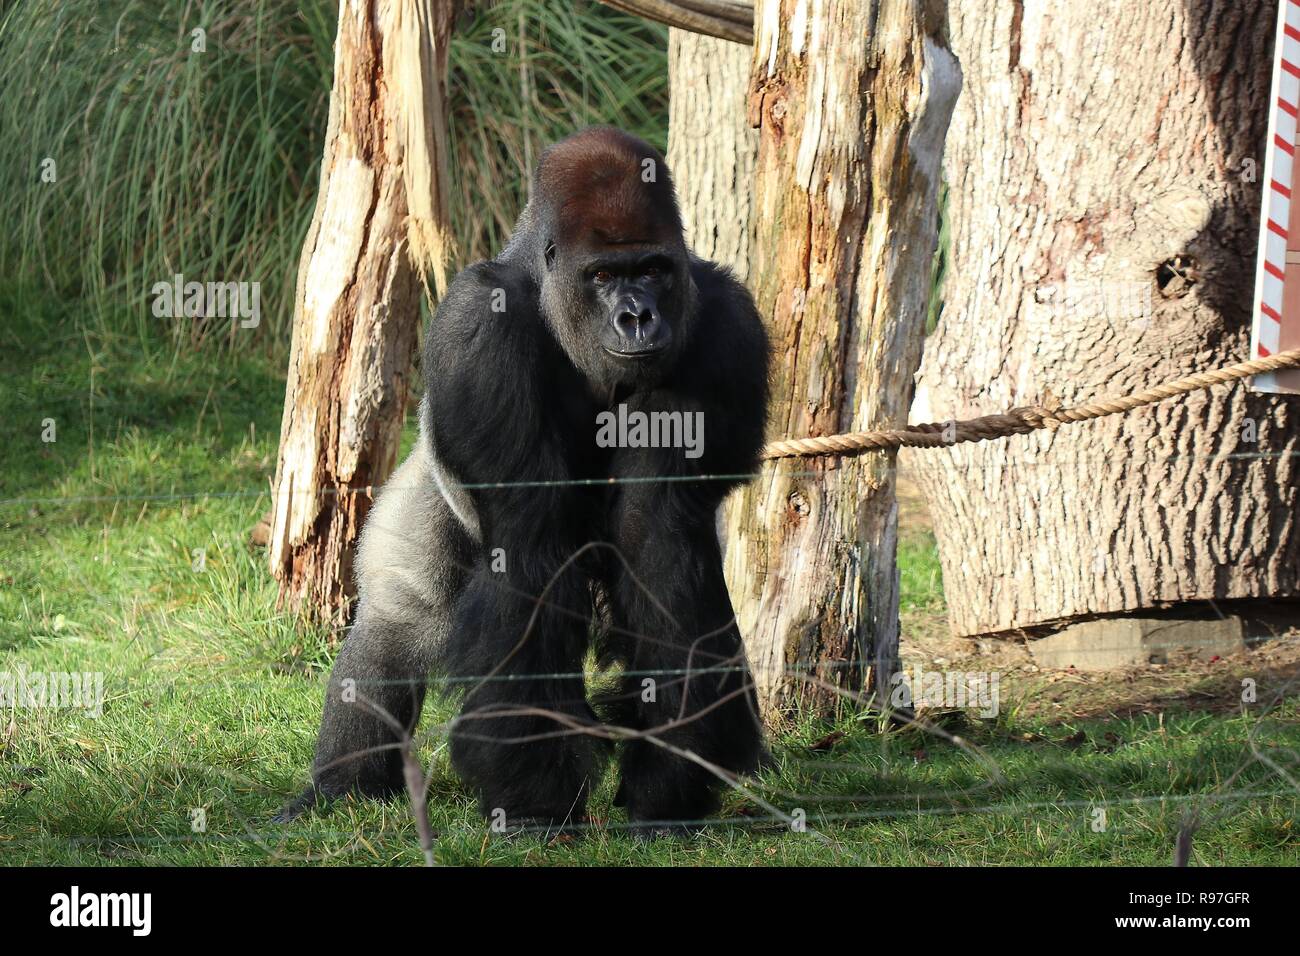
[1277,282]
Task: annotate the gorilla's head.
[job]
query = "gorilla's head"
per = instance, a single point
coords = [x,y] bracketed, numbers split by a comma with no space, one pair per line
[607,246]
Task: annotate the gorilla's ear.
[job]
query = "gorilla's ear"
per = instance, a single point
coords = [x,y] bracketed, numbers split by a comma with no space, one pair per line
[549,254]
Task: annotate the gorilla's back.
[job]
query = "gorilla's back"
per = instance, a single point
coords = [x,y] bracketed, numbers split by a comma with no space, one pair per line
[415,548]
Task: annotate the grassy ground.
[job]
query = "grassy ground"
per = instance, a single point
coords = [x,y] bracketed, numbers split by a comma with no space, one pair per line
[213,696]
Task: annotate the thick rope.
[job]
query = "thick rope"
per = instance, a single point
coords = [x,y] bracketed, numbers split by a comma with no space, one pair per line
[1021,421]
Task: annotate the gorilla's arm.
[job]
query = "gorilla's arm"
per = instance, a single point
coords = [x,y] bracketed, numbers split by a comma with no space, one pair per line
[672,611]
[507,410]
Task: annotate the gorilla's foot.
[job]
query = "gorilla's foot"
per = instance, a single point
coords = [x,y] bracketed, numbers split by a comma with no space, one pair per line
[299,805]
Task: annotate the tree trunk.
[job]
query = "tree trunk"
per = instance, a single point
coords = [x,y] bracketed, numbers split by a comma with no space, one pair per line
[712,150]
[852,101]
[380,222]
[1097,145]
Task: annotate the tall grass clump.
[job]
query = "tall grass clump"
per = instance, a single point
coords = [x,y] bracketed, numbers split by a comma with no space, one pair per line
[167,160]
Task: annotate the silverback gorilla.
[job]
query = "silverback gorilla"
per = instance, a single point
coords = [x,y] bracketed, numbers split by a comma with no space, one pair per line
[518,534]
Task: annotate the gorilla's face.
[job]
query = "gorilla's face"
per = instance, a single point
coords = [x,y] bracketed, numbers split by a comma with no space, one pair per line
[620,312]
[625,291]
[616,285]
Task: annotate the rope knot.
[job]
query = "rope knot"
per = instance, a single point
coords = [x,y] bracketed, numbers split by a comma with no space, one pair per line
[1037,416]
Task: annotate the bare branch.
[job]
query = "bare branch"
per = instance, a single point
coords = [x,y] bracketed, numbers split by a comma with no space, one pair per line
[728,19]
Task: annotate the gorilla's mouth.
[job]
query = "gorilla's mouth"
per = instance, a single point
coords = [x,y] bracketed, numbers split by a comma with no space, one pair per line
[637,354]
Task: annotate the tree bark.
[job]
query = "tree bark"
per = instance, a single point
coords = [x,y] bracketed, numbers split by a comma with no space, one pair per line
[1093,149]
[852,101]
[380,224]
[712,150]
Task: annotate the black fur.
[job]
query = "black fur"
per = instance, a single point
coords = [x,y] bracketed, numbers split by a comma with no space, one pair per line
[513,400]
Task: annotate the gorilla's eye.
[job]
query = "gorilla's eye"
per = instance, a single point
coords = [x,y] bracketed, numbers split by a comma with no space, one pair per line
[600,276]
[650,272]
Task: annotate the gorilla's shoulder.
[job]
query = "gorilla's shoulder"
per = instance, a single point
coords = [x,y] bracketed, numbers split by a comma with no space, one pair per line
[728,319]
[486,291]
[488,314]
[714,279]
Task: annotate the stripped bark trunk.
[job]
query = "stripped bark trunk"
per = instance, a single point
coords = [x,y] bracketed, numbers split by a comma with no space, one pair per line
[852,101]
[1094,147]
[712,150]
[380,223]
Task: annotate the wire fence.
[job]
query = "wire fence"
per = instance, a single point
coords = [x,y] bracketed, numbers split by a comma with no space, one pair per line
[773,800]
[762,802]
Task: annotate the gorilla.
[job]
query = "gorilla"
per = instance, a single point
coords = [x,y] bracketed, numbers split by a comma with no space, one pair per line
[594,392]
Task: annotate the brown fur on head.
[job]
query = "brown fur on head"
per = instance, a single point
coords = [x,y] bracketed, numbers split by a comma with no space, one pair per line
[608,188]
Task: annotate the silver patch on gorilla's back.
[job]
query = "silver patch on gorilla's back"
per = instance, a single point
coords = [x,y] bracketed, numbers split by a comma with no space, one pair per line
[406,569]
[395,578]
[457,498]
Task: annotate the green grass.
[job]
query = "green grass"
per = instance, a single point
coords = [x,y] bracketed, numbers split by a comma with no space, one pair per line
[920,577]
[213,695]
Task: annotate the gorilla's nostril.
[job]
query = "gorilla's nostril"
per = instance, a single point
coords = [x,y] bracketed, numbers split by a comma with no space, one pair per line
[636,325]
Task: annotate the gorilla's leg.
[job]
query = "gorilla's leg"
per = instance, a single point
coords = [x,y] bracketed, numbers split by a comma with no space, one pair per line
[409,570]
[374,697]
[688,687]
[524,740]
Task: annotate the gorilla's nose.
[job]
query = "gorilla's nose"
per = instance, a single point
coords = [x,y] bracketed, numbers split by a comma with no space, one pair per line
[638,326]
